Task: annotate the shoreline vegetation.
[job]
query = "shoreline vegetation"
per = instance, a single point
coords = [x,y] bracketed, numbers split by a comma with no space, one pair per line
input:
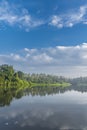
[64,84]
[9,78]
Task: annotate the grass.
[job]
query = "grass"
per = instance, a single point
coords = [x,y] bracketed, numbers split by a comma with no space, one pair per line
[64,84]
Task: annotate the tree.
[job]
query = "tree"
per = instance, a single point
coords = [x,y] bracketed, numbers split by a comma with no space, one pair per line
[20,74]
[6,72]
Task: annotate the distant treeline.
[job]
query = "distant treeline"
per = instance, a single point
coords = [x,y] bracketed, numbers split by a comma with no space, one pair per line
[8,76]
[81,81]
[43,78]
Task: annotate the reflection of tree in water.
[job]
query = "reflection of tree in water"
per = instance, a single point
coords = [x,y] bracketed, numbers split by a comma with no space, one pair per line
[78,88]
[6,96]
[42,91]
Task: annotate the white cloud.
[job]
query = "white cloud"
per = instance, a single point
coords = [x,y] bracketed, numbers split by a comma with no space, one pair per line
[69,19]
[16,57]
[11,15]
[59,60]
[14,15]
[30,50]
[42,58]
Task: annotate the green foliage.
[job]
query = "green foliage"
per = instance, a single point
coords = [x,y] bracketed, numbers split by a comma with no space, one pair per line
[20,74]
[6,72]
[45,79]
[8,77]
[63,84]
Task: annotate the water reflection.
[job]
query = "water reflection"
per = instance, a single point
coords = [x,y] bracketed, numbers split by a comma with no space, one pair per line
[43,108]
[46,117]
[6,96]
[66,110]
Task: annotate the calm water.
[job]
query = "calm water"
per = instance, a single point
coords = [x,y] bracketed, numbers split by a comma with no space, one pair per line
[52,109]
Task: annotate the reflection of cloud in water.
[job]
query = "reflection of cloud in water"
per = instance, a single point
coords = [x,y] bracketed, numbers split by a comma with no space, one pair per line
[49,119]
[60,112]
[64,117]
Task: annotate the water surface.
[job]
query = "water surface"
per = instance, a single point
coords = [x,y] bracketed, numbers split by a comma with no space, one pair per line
[38,109]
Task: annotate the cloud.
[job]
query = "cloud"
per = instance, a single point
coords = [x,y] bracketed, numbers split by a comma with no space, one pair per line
[59,60]
[12,15]
[42,58]
[70,18]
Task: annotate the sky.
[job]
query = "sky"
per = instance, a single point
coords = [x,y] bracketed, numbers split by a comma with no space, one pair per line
[44,36]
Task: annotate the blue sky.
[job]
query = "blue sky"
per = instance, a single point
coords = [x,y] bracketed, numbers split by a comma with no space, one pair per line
[44,36]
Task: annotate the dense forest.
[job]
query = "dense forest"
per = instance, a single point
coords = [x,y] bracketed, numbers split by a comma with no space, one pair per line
[8,76]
